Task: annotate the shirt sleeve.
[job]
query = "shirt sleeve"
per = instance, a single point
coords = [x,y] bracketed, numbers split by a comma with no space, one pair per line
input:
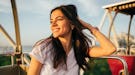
[38,54]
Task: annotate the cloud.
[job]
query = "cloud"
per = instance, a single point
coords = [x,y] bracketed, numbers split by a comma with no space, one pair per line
[41,7]
[27,6]
[90,7]
[35,6]
[5,6]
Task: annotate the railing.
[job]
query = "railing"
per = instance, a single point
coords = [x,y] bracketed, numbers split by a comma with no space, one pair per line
[125,70]
[15,69]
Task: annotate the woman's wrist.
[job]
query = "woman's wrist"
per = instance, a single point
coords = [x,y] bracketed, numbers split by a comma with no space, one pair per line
[94,30]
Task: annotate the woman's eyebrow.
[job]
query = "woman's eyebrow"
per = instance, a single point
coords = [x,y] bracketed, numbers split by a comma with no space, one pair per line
[58,17]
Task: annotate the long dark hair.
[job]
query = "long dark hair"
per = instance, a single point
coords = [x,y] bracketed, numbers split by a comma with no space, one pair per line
[79,40]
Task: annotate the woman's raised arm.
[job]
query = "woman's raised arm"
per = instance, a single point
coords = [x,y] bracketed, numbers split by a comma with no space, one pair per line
[105,48]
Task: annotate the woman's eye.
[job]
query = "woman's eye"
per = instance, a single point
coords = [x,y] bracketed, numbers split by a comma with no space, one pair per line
[60,19]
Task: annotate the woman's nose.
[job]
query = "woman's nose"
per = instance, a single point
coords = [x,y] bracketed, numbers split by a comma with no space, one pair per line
[53,23]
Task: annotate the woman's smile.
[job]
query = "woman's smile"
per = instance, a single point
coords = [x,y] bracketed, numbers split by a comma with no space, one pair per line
[55,30]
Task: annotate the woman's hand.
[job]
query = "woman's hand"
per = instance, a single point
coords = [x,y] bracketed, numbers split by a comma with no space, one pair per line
[85,24]
[88,26]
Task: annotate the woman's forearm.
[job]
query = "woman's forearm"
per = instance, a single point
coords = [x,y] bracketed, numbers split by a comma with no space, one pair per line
[105,44]
[106,47]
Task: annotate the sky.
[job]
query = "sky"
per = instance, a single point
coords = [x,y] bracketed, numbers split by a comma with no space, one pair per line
[34,17]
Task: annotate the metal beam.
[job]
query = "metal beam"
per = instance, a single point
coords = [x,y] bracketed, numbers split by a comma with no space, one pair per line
[16,23]
[10,40]
[18,51]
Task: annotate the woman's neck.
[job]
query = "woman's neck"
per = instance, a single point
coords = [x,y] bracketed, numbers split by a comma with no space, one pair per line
[66,43]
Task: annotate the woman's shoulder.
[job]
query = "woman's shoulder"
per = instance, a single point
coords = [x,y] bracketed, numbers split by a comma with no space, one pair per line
[43,43]
[42,47]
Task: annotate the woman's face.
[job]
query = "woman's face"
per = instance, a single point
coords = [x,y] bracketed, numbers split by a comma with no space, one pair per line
[60,25]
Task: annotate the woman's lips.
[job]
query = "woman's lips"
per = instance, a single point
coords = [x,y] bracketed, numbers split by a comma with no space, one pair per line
[56,29]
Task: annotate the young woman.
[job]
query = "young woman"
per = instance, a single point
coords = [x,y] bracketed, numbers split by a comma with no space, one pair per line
[66,50]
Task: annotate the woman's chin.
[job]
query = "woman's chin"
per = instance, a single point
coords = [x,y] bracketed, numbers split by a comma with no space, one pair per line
[55,36]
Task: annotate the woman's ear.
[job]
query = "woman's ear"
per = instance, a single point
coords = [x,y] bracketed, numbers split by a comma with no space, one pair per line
[72,26]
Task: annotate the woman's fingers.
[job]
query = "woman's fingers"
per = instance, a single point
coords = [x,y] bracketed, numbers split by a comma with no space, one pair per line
[88,26]
[85,24]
